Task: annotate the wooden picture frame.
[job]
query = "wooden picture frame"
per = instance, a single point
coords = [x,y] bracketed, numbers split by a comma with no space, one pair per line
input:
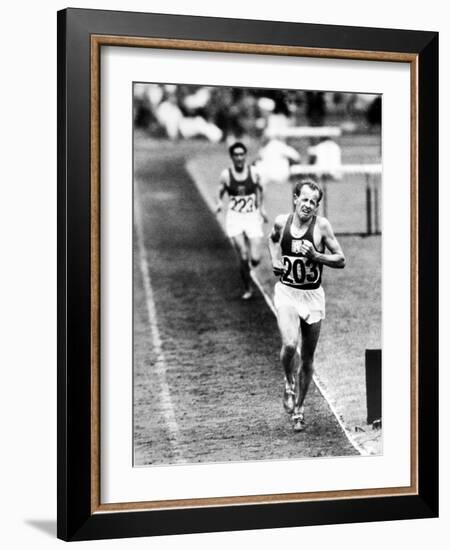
[81,35]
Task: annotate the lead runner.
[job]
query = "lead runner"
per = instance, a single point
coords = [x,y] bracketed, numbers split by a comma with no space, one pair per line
[297,246]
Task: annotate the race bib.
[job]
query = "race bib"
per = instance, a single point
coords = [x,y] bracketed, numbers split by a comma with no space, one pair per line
[243,204]
[300,271]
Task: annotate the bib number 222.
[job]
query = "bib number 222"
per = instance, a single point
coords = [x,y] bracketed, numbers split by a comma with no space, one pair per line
[242,204]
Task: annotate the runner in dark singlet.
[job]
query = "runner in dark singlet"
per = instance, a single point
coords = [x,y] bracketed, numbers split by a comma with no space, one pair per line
[245,213]
[297,246]
[299,271]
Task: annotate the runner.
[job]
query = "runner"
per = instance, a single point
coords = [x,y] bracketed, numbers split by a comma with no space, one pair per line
[297,246]
[245,213]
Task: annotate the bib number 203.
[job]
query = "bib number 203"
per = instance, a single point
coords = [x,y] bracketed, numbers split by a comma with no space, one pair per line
[300,271]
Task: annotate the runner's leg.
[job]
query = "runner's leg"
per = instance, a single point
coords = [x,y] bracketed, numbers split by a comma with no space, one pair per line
[289,324]
[310,337]
[254,248]
[240,247]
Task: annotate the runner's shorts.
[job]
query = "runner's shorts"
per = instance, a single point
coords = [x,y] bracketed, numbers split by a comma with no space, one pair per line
[309,304]
[237,223]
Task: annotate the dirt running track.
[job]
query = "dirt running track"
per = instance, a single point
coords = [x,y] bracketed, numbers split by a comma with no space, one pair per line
[211,390]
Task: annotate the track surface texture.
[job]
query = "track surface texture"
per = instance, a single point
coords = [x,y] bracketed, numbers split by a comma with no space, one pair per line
[209,388]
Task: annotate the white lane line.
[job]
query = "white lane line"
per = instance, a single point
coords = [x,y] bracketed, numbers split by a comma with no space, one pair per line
[316,379]
[160,366]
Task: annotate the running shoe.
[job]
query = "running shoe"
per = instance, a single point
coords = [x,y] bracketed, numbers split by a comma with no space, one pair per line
[298,419]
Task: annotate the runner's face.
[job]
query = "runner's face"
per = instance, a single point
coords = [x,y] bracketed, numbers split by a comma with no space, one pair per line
[307,203]
[238,158]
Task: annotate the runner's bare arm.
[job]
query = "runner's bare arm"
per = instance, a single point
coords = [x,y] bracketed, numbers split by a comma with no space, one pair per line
[274,244]
[336,259]
[223,184]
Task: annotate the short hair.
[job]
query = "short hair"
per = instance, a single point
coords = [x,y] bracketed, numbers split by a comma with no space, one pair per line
[311,184]
[236,145]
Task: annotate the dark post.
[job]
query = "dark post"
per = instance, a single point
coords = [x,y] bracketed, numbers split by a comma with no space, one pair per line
[376,207]
[373,386]
[368,205]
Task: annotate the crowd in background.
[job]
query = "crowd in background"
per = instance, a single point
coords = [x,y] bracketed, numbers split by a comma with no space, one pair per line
[225,113]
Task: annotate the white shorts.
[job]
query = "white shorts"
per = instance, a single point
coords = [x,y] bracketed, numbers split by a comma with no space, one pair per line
[250,224]
[309,304]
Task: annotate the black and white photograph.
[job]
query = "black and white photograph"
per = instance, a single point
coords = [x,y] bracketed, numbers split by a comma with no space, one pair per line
[257,274]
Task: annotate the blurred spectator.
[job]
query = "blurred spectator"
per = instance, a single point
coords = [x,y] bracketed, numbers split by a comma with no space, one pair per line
[197,102]
[327,155]
[224,113]
[248,113]
[275,159]
[176,124]
[169,116]
[197,126]
[229,114]
[266,106]
[276,123]
[315,108]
